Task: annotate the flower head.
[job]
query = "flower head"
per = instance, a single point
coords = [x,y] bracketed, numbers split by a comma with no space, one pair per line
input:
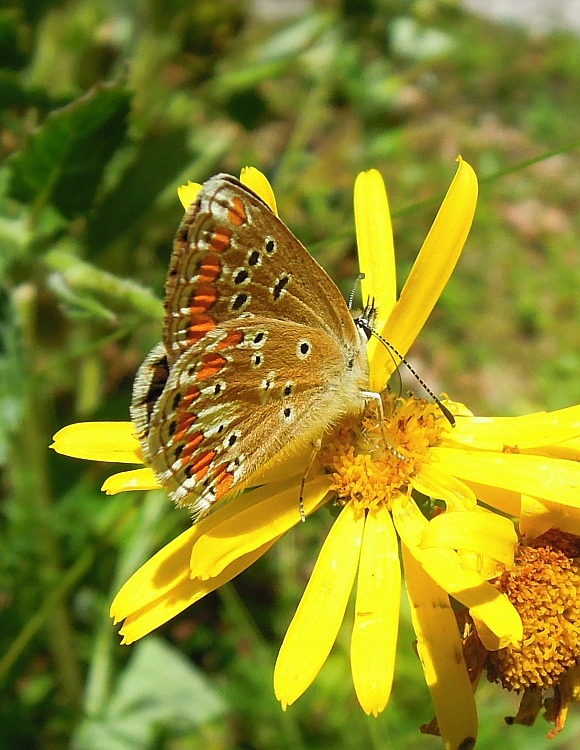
[543,667]
[407,483]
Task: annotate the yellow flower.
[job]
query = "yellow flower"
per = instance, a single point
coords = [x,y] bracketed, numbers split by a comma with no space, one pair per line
[410,478]
[544,667]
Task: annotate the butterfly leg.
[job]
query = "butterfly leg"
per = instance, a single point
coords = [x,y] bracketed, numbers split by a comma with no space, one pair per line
[316,448]
[375,398]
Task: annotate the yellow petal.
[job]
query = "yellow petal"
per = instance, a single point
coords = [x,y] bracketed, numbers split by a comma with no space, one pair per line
[434,264]
[188,193]
[506,501]
[315,625]
[549,478]
[376,256]
[184,593]
[290,469]
[439,485]
[568,449]
[483,533]
[99,441]
[157,577]
[491,641]
[486,566]
[251,521]
[537,516]
[457,408]
[258,182]
[439,648]
[448,570]
[529,431]
[376,618]
[127,481]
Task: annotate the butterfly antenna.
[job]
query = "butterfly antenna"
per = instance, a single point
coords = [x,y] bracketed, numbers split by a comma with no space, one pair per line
[358,280]
[371,332]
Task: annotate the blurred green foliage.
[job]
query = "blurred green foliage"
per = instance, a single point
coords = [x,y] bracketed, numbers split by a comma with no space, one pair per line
[107,108]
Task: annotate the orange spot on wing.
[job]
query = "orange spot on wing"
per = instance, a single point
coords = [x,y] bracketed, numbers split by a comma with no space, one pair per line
[199,328]
[220,239]
[202,299]
[232,339]
[190,396]
[224,485]
[211,364]
[193,442]
[210,269]
[201,466]
[183,426]
[237,212]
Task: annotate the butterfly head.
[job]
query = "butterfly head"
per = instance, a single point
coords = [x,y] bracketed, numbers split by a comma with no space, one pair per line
[365,319]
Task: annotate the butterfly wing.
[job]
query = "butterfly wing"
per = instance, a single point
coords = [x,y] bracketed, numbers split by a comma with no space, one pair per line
[148,386]
[233,257]
[260,353]
[235,400]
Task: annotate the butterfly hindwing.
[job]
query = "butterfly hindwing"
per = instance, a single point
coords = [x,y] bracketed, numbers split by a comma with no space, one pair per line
[228,408]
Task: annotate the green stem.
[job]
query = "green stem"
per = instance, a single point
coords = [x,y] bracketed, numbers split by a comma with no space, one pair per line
[136,551]
[32,494]
[239,614]
[311,116]
[36,622]
[489,178]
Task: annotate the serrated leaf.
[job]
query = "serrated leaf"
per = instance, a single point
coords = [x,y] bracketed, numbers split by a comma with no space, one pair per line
[63,162]
[159,690]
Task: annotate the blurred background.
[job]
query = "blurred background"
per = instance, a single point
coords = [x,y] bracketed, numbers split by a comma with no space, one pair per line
[107,108]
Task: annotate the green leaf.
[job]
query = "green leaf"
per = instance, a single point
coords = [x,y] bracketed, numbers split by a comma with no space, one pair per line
[159,692]
[98,294]
[63,162]
[12,36]
[157,161]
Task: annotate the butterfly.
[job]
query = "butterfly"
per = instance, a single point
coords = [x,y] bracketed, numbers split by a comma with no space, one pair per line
[260,353]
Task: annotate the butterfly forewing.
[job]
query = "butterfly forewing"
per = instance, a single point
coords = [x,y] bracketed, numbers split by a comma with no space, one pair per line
[232,256]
